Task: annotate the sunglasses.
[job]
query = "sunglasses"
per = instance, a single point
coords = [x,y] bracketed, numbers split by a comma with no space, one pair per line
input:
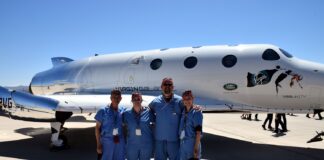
[167,84]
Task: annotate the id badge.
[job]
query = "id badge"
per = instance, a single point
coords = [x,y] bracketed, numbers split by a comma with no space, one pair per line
[182,135]
[138,132]
[115,131]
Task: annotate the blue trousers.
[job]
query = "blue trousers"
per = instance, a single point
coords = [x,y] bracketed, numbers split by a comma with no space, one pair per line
[139,151]
[187,149]
[166,149]
[112,151]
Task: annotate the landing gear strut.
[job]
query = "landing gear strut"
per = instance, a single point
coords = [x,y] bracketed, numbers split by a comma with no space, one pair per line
[58,140]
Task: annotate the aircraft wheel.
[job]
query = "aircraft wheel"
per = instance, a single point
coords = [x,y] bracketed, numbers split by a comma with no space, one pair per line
[64,138]
[63,147]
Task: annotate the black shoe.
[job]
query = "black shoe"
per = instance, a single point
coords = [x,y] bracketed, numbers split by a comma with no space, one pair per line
[284,130]
[270,128]
[263,126]
[276,131]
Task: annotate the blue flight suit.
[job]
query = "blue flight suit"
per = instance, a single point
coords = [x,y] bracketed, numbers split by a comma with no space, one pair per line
[167,118]
[139,145]
[190,123]
[110,119]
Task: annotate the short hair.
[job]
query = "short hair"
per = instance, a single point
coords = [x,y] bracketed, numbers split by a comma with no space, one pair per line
[115,92]
[187,93]
[167,79]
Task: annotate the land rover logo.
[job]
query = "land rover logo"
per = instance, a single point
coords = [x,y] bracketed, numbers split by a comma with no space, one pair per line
[230,86]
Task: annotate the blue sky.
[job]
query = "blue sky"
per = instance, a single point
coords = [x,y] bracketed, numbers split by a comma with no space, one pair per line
[33,31]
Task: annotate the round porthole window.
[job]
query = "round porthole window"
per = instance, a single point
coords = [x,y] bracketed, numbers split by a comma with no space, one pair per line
[156,64]
[190,62]
[229,61]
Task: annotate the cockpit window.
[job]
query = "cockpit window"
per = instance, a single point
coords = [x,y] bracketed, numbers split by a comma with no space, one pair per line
[270,55]
[286,53]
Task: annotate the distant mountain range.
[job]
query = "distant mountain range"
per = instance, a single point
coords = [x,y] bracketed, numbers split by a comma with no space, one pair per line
[19,88]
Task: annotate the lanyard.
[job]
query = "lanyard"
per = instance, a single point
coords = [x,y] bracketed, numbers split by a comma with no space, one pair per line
[137,117]
[115,118]
[185,118]
[115,115]
[185,121]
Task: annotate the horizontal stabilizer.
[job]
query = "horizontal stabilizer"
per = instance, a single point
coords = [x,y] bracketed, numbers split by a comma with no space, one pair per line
[12,99]
[32,101]
[60,60]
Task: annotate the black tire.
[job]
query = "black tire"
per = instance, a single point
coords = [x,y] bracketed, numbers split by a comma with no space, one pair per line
[65,140]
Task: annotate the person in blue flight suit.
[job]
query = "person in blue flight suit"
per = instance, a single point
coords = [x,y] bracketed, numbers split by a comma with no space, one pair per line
[138,123]
[167,109]
[190,129]
[109,135]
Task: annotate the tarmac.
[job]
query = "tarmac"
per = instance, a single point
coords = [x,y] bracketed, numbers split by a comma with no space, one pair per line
[226,137]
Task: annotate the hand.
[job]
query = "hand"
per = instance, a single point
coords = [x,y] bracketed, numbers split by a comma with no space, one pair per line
[197,107]
[196,151]
[99,149]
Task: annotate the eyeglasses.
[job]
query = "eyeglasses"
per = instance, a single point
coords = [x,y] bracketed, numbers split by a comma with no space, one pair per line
[167,84]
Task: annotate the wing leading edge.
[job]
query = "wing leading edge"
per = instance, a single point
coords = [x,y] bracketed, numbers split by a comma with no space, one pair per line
[64,103]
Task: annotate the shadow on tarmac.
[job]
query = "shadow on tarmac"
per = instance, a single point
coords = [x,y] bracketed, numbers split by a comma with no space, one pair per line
[82,143]
[76,118]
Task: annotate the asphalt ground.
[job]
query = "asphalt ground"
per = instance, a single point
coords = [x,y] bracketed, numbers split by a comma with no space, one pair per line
[225,137]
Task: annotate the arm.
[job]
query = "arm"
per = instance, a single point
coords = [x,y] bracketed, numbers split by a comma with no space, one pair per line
[196,148]
[152,112]
[198,129]
[97,132]
[151,106]
[124,128]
